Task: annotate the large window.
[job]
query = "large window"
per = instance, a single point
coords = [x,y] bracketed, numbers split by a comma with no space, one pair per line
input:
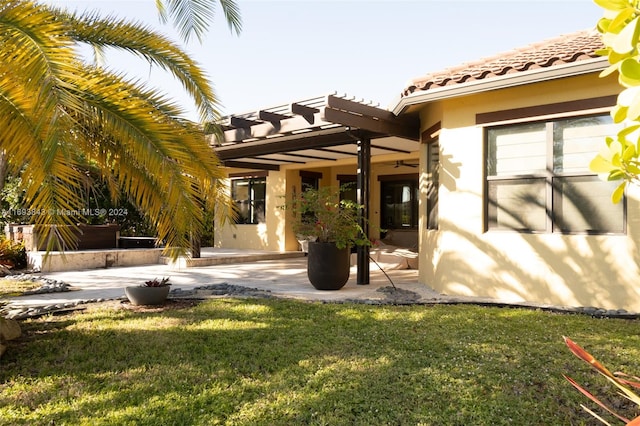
[399,203]
[538,177]
[249,195]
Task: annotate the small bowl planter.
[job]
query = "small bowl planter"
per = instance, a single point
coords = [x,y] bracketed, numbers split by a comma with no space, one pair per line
[153,292]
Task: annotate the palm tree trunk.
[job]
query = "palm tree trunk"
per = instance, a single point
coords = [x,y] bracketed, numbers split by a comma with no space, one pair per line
[195,245]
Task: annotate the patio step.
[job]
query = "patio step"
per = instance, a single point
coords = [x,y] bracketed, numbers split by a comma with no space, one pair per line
[225,258]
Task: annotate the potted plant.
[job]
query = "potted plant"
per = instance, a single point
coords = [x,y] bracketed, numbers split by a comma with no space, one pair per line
[331,227]
[152,292]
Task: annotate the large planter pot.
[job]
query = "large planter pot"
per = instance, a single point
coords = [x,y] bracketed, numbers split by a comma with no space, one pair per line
[142,295]
[328,266]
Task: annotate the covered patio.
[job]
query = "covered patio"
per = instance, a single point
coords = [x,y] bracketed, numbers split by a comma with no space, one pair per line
[323,129]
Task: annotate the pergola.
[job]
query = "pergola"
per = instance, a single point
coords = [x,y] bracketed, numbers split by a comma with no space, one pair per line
[326,128]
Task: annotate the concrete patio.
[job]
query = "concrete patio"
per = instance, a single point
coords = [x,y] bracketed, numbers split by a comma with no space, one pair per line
[281,274]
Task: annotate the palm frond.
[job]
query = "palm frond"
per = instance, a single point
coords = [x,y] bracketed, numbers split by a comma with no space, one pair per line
[35,54]
[162,162]
[140,40]
[193,17]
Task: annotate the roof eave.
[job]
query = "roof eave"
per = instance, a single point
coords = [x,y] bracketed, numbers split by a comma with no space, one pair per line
[501,82]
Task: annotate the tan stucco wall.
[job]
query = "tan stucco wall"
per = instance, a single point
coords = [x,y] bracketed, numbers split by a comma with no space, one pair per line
[264,236]
[275,234]
[461,259]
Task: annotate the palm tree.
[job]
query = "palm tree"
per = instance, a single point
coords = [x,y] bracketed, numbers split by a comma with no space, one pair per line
[58,112]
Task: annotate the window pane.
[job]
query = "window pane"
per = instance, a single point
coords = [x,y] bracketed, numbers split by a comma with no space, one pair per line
[517,204]
[240,190]
[583,204]
[399,205]
[309,182]
[578,140]
[517,150]
[258,189]
[258,212]
[348,190]
[249,196]
[240,195]
[243,211]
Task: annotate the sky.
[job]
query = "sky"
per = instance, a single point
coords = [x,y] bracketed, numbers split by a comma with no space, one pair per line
[291,50]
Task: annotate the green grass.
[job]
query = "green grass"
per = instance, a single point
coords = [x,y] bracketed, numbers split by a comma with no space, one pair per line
[275,362]
[9,288]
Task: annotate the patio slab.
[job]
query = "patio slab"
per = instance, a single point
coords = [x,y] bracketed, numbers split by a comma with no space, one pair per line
[283,277]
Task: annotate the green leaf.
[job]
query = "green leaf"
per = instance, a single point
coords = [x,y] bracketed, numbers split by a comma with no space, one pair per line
[614,5]
[617,174]
[619,113]
[599,164]
[629,153]
[603,25]
[630,72]
[615,160]
[618,193]
[633,169]
[609,70]
[628,130]
[625,40]
[621,19]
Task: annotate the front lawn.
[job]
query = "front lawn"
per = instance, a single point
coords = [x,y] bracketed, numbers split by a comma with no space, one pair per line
[276,362]
[10,288]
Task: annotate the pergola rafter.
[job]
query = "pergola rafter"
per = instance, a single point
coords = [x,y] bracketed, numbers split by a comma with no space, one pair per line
[319,124]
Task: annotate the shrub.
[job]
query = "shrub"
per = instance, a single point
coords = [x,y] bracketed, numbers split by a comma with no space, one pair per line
[13,254]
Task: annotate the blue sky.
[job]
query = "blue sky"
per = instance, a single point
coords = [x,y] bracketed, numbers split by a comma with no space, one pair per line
[291,50]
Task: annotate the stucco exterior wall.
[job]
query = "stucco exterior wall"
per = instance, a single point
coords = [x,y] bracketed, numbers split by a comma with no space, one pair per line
[264,236]
[461,258]
[275,234]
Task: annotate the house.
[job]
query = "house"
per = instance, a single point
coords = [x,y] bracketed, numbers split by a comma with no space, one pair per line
[485,164]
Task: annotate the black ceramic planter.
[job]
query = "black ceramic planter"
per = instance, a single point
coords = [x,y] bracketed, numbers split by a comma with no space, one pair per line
[328,266]
[142,295]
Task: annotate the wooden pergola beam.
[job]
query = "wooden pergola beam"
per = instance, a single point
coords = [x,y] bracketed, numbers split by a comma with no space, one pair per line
[272,117]
[388,148]
[311,157]
[284,144]
[251,165]
[305,111]
[337,151]
[371,124]
[242,122]
[335,102]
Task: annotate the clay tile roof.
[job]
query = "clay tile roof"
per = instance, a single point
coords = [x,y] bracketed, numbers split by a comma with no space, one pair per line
[560,50]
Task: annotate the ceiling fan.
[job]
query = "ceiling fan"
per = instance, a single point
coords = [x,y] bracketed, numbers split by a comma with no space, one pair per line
[401,163]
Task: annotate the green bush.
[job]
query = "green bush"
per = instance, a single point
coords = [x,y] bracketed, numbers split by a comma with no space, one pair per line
[12,254]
